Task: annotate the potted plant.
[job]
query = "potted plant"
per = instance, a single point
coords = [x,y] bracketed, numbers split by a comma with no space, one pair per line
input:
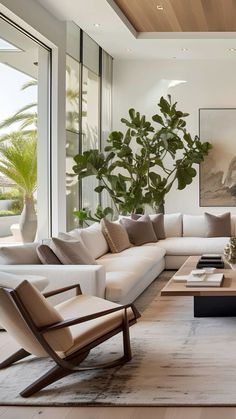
[140,166]
[18,162]
[230,252]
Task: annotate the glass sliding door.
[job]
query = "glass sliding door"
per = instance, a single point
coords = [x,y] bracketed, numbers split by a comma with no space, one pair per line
[24,136]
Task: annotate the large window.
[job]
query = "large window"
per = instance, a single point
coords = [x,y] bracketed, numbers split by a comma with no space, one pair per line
[90,132]
[24,136]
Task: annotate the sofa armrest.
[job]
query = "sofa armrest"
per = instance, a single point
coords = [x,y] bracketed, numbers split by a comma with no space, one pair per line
[91,278]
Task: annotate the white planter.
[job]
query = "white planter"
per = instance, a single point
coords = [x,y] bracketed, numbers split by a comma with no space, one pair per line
[5,224]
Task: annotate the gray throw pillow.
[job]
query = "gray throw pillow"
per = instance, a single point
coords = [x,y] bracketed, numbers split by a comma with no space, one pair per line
[25,254]
[218,225]
[157,223]
[47,256]
[71,252]
[140,231]
[115,235]
[158,226]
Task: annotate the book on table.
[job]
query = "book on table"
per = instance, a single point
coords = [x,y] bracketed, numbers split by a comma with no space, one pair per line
[210,259]
[205,280]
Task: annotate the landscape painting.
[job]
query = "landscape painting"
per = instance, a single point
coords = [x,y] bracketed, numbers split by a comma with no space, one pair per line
[218,171]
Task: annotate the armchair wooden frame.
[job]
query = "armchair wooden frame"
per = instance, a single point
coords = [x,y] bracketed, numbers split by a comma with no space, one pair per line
[71,363]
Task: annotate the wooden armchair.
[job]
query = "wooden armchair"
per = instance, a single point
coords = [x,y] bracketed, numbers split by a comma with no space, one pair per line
[66,333]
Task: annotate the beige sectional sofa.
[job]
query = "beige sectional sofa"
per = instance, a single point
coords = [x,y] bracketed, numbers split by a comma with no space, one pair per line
[122,277]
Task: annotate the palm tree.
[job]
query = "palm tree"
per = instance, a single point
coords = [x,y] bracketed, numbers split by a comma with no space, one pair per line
[27,116]
[18,162]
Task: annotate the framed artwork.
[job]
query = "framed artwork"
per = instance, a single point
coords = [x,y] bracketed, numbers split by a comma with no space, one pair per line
[217,181]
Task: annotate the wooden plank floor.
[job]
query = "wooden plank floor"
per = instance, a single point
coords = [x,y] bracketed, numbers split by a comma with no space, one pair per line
[7,346]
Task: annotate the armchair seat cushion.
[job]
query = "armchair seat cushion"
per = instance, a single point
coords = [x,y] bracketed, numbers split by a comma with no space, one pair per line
[87,332]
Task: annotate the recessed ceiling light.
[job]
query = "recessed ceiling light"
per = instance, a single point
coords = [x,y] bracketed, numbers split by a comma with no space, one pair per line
[231,49]
[97,25]
[184,49]
[160,7]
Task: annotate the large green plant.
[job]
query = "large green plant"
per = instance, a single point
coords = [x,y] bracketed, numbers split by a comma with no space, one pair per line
[140,166]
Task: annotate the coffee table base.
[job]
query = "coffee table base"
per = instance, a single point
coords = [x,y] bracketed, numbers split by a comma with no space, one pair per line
[222,306]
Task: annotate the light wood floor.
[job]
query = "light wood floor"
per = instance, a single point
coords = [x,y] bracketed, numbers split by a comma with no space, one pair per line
[7,346]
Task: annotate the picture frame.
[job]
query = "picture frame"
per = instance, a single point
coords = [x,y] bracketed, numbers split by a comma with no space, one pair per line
[217,173]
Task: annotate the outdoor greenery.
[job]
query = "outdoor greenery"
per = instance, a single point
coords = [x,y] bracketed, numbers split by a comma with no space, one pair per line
[140,166]
[12,194]
[18,161]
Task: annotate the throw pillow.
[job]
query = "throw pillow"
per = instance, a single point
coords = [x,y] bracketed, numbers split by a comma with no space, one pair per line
[25,254]
[115,235]
[71,252]
[47,256]
[218,225]
[140,231]
[157,223]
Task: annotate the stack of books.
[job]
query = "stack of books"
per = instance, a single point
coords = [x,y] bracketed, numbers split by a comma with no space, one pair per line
[210,260]
[200,278]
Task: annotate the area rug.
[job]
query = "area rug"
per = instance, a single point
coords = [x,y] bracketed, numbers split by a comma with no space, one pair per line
[177,361]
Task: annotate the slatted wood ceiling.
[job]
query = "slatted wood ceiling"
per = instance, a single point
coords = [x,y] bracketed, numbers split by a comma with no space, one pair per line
[180,15]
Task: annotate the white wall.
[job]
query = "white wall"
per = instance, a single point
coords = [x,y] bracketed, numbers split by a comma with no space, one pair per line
[140,84]
[31,16]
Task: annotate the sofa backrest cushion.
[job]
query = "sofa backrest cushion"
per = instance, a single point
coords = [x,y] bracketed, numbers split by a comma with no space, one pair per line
[194,225]
[71,252]
[140,231]
[115,235]
[25,254]
[173,225]
[94,240]
[218,225]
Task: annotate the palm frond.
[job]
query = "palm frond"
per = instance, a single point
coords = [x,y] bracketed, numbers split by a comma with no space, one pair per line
[18,161]
[26,108]
[29,84]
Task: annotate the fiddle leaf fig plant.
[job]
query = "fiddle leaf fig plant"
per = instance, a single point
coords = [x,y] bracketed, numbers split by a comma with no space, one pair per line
[140,166]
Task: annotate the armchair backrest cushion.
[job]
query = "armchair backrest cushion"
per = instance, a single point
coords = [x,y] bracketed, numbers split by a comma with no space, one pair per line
[40,311]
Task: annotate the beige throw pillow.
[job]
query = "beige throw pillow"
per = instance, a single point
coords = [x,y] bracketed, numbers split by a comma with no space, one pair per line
[71,252]
[140,231]
[115,235]
[218,225]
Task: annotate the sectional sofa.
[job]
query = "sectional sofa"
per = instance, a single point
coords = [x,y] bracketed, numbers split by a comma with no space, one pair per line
[122,277]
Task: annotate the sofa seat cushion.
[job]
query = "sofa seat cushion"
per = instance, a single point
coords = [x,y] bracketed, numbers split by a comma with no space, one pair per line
[193,245]
[149,250]
[125,271]
[136,265]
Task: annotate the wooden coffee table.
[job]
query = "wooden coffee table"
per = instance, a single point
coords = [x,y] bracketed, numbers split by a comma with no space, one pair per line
[208,301]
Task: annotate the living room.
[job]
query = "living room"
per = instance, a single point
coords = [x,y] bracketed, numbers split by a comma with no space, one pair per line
[192,60]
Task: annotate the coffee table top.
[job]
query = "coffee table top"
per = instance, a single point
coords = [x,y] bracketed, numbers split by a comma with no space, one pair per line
[228,288]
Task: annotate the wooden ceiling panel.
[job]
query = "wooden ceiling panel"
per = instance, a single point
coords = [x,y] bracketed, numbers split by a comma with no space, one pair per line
[180,15]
